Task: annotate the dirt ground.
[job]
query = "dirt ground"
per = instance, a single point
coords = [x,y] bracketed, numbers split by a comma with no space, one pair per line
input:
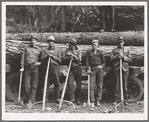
[52,107]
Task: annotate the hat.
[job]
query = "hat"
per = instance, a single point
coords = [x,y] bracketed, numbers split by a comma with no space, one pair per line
[51,38]
[33,37]
[120,40]
[95,41]
[73,41]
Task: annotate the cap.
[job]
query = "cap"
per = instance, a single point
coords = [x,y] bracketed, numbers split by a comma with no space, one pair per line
[73,41]
[95,41]
[33,37]
[120,40]
[51,38]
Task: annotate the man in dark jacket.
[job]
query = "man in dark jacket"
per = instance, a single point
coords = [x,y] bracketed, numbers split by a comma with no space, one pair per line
[116,54]
[53,76]
[31,58]
[73,52]
[96,61]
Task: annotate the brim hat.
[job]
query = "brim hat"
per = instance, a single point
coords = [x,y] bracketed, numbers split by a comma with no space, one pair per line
[33,37]
[51,39]
[73,41]
[120,40]
[95,41]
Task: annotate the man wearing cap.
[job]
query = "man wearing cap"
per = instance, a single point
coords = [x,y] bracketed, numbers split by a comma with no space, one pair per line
[53,76]
[95,62]
[73,52]
[30,60]
[116,54]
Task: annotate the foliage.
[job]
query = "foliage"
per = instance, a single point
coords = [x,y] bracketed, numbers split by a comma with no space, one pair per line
[78,18]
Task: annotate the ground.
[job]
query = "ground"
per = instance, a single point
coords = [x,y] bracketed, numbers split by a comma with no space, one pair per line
[52,107]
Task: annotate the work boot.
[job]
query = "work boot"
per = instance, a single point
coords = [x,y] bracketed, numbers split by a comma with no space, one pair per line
[78,102]
[92,105]
[112,30]
[58,101]
[126,103]
[30,102]
[71,100]
[102,30]
[47,100]
[98,103]
[116,102]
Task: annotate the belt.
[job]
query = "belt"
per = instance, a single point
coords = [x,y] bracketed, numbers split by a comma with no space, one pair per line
[75,67]
[31,64]
[97,66]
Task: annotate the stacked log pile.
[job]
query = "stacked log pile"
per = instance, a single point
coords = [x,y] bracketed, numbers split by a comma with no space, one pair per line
[15,44]
[134,38]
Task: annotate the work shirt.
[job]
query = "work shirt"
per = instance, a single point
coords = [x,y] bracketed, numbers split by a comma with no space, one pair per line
[78,53]
[31,55]
[116,61]
[93,59]
[55,52]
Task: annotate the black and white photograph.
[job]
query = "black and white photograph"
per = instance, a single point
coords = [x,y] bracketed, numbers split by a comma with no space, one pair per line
[74,61]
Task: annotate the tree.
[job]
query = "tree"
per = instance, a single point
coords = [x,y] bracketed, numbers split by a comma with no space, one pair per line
[70,18]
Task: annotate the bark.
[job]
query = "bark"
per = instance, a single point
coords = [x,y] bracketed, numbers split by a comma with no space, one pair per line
[51,11]
[63,19]
[134,38]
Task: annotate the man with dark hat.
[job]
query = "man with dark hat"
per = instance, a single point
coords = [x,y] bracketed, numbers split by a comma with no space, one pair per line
[95,62]
[30,60]
[73,52]
[116,54]
[53,76]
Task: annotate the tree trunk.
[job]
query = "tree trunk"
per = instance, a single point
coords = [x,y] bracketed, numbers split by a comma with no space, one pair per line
[21,21]
[51,12]
[63,19]
[134,38]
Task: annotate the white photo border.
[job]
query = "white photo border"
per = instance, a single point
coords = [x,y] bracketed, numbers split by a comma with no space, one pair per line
[75,116]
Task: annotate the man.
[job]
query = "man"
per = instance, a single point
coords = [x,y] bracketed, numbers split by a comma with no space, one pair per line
[105,12]
[116,54]
[53,76]
[96,61]
[30,60]
[73,52]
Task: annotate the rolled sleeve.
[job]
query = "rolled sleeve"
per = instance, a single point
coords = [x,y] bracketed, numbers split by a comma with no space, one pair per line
[23,58]
[87,60]
[128,57]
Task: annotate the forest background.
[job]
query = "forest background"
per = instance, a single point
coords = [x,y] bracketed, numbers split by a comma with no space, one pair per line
[41,19]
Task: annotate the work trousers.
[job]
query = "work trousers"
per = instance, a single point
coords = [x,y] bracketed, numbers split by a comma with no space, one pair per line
[31,81]
[105,12]
[75,75]
[53,77]
[96,79]
[117,84]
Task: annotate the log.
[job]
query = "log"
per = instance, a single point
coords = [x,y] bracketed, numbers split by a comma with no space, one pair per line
[134,38]
[14,49]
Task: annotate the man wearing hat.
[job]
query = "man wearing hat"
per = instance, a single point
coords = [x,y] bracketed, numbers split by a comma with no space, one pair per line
[53,76]
[95,62]
[73,52]
[116,54]
[30,60]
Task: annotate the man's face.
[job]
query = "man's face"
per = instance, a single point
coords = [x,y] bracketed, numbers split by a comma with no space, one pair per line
[51,43]
[33,42]
[121,45]
[72,46]
[95,46]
